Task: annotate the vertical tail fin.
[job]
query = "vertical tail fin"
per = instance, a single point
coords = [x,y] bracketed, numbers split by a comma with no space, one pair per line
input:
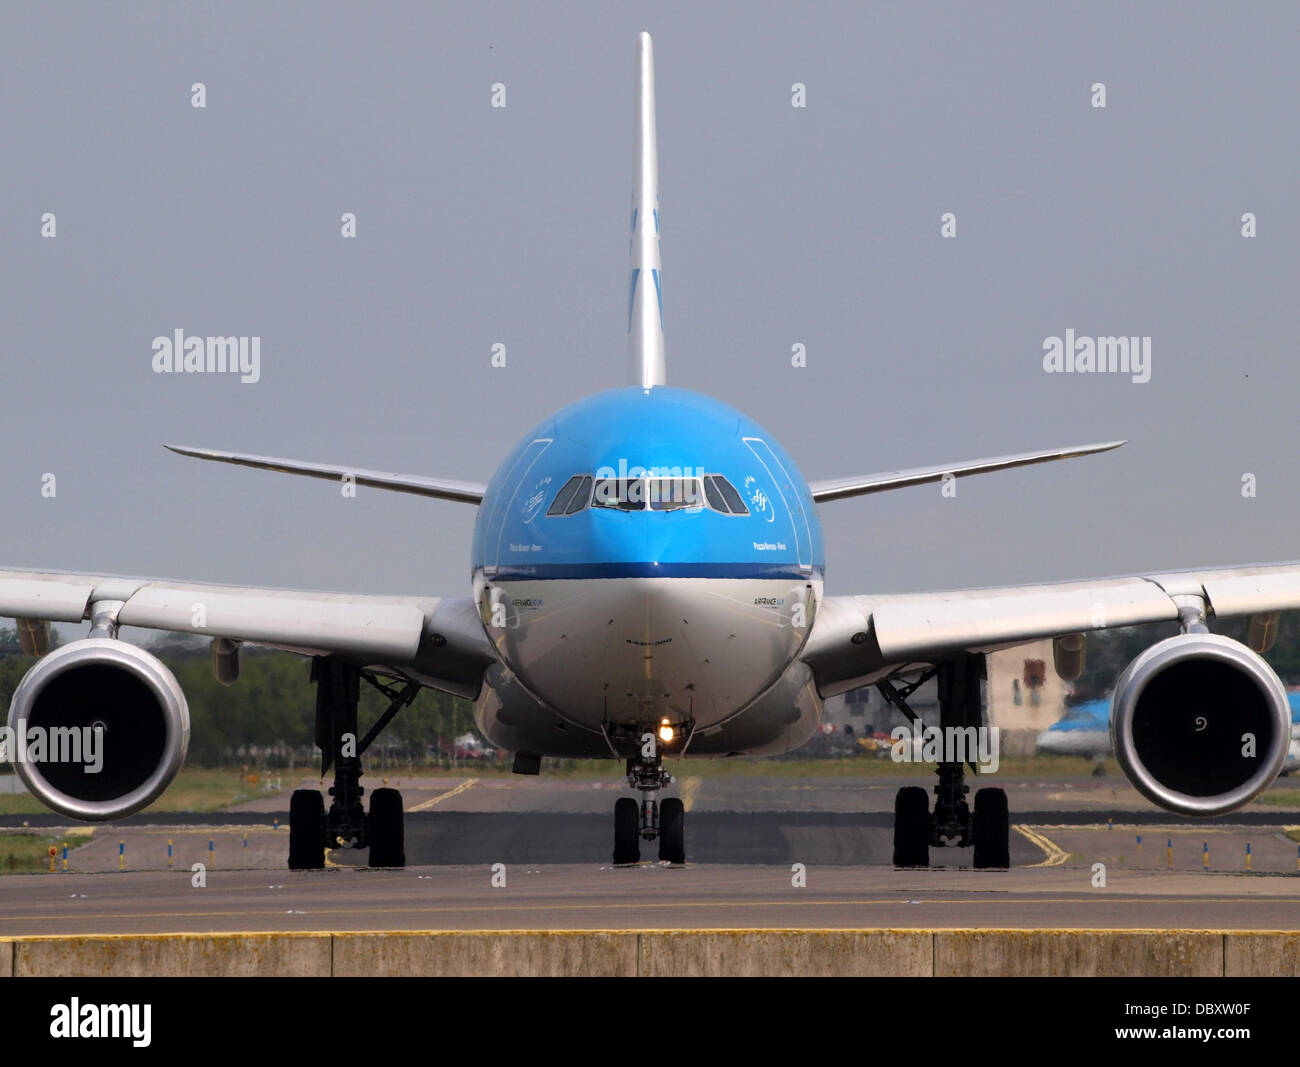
[645,313]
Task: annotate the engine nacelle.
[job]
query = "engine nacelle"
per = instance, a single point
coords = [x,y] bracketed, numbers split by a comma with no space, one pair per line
[1200,724]
[129,698]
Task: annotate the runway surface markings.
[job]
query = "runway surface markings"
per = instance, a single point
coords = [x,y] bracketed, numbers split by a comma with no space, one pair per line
[534,905]
[547,931]
[1152,828]
[175,831]
[468,783]
[50,831]
[1055,854]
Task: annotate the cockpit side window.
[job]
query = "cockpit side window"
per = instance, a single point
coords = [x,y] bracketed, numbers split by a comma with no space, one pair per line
[565,496]
[714,496]
[717,485]
[580,496]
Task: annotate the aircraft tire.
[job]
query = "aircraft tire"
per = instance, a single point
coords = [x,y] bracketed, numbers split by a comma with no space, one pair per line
[627,832]
[911,827]
[306,841]
[992,829]
[387,838]
[672,831]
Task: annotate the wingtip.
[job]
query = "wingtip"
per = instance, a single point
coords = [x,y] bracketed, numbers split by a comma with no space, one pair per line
[1098,446]
[187,450]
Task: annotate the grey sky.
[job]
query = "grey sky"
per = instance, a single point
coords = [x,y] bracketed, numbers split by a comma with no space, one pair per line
[478,225]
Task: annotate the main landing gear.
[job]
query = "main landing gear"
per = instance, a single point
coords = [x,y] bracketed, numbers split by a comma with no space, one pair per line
[664,820]
[916,828]
[311,829]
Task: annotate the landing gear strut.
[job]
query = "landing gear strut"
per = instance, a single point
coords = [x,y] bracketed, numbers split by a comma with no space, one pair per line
[311,829]
[916,828]
[664,821]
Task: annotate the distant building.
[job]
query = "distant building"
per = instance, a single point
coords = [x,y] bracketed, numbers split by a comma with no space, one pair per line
[1024,695]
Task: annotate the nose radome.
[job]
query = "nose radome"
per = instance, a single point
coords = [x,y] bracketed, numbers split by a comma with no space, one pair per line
[656,606]
[665,600]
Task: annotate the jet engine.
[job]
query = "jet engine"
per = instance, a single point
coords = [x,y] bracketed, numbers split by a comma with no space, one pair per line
[1200,724]
[99,728]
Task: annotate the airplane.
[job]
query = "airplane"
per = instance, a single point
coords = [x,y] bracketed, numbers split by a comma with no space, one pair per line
[648,582]
[1084,730]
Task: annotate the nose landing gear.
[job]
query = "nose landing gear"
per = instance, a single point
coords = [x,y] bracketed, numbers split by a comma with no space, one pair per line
[651,819]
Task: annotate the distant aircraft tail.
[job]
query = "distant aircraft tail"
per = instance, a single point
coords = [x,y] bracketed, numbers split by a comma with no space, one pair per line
[645,310]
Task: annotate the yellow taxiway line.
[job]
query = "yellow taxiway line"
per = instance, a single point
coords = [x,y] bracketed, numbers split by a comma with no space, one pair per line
[468,783]
[1055,854]
[734,905]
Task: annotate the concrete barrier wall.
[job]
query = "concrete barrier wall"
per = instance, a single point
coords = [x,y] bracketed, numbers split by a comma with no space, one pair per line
[797,953]
[662,953]
[174,955]
[1261,954]
[511,953]
[1069,953]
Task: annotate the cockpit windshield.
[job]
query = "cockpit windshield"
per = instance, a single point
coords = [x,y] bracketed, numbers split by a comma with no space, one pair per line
[670,494]
[622,494]
[711,491]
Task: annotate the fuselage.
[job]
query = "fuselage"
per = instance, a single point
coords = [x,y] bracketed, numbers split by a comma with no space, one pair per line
[647,555]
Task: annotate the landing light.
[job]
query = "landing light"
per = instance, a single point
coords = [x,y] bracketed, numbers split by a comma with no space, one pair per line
[665,732]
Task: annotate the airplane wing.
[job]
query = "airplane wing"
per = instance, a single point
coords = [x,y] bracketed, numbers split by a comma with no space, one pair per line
[442,488]
[859,485]
[856,640]
[436,641]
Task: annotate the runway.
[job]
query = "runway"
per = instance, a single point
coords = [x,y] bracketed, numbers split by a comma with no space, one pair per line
[591,897]
[751,842]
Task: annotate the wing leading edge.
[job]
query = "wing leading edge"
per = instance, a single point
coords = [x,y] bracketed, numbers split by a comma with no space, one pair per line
[442,488]
[837,488]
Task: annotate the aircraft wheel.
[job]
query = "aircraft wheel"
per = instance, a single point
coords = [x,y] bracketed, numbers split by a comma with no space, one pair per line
[672,831]
[306,830]
[387,842]
[911,827]
[992,829]
[627,831]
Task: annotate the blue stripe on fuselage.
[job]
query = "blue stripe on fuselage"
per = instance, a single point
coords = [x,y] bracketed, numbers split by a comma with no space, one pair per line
[556,571]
